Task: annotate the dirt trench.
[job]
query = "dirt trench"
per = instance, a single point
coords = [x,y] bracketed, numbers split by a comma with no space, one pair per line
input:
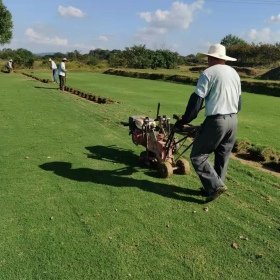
[256,165]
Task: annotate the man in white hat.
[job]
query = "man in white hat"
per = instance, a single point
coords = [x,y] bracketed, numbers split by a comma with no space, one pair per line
[220,87]
[53,68]
[62,74]
[10,66]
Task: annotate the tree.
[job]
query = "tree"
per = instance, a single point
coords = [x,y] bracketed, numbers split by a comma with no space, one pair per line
[190,59]
[57,56]
[158,60]
[75,55]
[231,40]
[100,54]
[23,58]
[171,58]
[138,57]
[6,25]
[25,54]
[6,54]
[117,59]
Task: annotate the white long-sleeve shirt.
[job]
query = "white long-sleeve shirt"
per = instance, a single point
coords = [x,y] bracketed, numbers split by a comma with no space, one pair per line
[53,65]
[62,69]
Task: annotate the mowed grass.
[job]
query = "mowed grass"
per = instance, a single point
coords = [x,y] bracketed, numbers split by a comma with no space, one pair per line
[75,204]
[257,119]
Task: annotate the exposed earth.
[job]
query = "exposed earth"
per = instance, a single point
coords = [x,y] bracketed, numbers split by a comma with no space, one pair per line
[256,165]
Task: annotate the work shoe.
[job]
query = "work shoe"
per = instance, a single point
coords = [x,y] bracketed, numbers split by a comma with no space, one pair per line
[216,194]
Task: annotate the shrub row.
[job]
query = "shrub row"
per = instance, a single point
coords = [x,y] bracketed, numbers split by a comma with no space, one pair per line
[257,87]
[261,87]
[152,76]
[88,96]
[36,78]
[267,156]
[241,70]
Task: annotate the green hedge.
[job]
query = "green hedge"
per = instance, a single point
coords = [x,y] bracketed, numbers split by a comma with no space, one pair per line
[266,88]
[257,87]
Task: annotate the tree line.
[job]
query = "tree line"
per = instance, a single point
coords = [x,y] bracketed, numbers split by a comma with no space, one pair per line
[140,57]
[22,58]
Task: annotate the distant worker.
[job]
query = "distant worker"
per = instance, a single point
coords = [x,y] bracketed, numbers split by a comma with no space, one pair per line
[62,74]
[53,68]
[220,87]
[10,66]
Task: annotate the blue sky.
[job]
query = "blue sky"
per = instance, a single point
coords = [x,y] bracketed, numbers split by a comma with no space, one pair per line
[186,27]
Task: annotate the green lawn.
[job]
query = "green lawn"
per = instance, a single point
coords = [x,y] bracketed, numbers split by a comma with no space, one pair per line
[257,119]
[75,204]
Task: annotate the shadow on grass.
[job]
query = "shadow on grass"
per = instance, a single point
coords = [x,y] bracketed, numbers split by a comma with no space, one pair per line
[113,154]
[117,178]
[46,87]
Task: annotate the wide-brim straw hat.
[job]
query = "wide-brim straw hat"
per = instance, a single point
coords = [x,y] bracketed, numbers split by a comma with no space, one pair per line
[219,51]
[64,59]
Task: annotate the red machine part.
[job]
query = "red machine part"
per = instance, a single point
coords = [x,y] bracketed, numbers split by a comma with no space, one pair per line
[138,137]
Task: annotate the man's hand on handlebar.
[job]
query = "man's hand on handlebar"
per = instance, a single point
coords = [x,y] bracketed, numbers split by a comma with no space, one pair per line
[179,124]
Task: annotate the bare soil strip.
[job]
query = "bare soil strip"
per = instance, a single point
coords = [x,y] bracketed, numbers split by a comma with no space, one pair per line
[256,165]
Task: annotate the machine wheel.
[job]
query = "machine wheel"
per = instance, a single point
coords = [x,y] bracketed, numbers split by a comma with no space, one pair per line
[165,169]
[183,166]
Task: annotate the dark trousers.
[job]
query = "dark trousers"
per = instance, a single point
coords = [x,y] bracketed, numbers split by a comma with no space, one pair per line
[62,81]
[217,136]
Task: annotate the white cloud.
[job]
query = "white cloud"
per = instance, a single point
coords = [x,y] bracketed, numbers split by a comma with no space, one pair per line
[264,36]
[32,34]
[274,19]
[70,12]
[180,16]
[160,23]
[150,36]
[41,39]
[151,31]
[103,38]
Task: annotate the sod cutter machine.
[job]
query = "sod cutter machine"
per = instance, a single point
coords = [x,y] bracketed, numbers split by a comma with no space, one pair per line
[162,146]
